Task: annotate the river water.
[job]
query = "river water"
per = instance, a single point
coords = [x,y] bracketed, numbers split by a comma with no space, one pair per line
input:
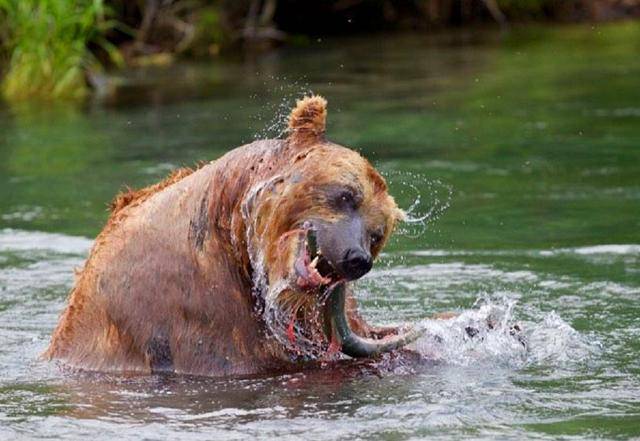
[518,156]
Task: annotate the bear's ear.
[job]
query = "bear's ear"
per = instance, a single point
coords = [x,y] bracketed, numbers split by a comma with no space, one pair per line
[307,121]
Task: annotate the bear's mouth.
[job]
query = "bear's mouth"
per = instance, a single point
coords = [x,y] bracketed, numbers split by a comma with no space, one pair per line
[312,269]
[315,273]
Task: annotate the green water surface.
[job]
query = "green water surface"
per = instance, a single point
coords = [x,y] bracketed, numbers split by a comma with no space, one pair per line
[524,145]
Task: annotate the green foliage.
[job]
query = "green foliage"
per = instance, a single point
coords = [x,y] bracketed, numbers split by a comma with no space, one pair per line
[210,22]
[47,46]
[209,31]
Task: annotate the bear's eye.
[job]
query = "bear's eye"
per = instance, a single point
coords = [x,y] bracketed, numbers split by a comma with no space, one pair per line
[345,200]
[376,237]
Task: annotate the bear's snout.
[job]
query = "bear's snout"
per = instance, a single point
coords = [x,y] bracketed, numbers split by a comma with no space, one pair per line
[356,263]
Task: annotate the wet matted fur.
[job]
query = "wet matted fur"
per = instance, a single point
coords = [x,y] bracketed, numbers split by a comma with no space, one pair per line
[196,275]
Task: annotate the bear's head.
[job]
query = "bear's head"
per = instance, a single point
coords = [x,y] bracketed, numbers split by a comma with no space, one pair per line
[321,220]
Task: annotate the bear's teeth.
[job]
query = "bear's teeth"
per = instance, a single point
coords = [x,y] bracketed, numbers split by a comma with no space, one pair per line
[314,262]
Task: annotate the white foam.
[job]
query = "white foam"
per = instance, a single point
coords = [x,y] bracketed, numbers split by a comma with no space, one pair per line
[547,340]
[19,240]
[449,341]
[611,249]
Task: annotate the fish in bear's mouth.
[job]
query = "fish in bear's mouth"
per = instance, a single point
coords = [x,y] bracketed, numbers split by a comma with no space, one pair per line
[314,273]
[313,270]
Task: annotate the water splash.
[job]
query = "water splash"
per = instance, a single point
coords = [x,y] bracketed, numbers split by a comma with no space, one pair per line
[294,321]
[303,339]
[256,255]
[554,342]
[490,334]
[278,112]
[424,200]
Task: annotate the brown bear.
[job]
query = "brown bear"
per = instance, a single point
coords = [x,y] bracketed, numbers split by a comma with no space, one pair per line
[240,267]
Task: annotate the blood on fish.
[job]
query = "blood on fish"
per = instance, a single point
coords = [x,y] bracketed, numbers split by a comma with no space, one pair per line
[290,331]
[334,345]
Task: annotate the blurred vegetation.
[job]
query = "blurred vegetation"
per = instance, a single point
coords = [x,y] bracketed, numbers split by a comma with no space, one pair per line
[50,45]
[56,48]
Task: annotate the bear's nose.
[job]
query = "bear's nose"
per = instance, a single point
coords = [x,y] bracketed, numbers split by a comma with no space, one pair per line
[356,263]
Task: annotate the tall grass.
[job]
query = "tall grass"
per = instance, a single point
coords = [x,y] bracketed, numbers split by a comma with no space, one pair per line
[46,43]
